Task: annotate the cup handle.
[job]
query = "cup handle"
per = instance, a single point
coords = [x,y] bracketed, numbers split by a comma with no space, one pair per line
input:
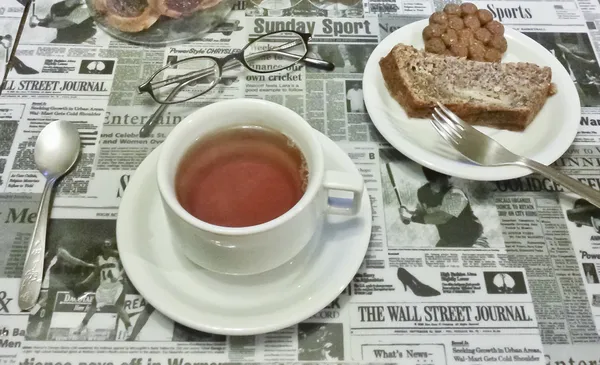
[343,181]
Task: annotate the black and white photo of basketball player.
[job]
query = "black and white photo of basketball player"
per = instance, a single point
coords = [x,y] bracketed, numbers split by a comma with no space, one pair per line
[59,22]
[65,257]
[82,260]
[320,342]
[424,208]
[39,311]
[575,53]
[110,291]
[591,275]
[505,282]
[355,101]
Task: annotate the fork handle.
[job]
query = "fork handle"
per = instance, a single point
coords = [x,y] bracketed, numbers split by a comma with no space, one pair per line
[586,192]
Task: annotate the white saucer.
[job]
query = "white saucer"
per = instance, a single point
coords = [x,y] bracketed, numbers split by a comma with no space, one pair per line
[237,305]
[545,139]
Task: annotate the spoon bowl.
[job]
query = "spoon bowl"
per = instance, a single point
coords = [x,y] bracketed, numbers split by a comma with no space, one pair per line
[57,149]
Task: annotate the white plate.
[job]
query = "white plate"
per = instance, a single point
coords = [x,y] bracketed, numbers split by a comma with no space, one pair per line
[234,305]
[545,139]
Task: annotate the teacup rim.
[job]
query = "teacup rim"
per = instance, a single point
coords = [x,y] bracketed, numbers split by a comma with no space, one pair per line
[314,183]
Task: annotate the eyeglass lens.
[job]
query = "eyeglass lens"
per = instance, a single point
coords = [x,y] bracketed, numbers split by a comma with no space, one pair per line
[275,52]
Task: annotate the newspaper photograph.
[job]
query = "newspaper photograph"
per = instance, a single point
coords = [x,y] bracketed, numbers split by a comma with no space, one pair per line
[66,22]
[584,228]
[427,209]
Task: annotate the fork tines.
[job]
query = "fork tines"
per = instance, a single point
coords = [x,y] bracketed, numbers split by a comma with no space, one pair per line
[447,124]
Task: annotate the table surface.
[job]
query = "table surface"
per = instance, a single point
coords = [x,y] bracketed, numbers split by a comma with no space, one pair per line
[491,272]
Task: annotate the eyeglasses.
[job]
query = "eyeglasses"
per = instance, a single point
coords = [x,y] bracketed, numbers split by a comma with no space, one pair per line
[195,76]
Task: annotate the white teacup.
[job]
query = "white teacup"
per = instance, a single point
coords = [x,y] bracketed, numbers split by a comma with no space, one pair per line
[259,248]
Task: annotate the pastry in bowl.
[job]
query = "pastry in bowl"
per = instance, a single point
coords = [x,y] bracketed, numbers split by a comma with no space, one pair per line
[127,15]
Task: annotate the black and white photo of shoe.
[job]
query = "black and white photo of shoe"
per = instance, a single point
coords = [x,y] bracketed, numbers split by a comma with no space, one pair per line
[21,68]
[417,287]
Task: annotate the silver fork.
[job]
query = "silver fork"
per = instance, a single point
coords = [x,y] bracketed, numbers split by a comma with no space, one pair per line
[485,151]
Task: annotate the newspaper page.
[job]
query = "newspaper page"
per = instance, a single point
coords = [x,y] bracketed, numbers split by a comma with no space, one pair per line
[457,272]
[332,102]
[66,88]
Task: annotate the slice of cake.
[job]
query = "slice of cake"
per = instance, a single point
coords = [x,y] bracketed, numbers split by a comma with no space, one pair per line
[499,95]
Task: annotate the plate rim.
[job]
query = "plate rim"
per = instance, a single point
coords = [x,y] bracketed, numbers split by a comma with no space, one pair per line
[466,169]
[145,289]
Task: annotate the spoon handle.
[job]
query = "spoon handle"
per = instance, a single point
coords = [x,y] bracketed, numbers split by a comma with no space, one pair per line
[31,281]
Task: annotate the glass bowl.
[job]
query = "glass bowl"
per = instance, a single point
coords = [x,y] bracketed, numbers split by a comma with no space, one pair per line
[168,30]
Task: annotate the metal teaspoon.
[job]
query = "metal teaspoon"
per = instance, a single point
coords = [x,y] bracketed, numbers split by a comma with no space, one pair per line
[56,150]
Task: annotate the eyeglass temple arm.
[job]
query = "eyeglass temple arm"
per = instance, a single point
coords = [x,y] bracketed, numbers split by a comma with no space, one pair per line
[190,76]
[153,119]
[319,64]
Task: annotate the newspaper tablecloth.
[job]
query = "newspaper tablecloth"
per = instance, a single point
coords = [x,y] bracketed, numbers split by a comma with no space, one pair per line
[519,285]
